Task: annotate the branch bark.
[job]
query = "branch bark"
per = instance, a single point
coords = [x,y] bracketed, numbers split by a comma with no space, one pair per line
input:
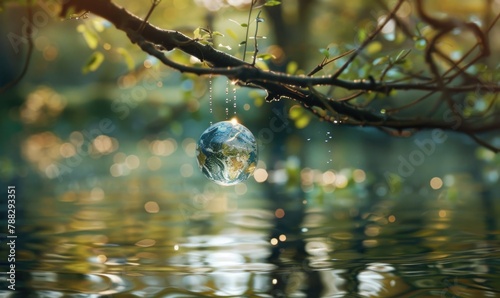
[155,40]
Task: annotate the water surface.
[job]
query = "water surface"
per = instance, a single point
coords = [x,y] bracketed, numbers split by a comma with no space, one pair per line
[156,235]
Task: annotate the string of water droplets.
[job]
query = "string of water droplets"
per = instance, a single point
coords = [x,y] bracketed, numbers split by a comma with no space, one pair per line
[327,138]
[234,99]
[210,98]
[227,99]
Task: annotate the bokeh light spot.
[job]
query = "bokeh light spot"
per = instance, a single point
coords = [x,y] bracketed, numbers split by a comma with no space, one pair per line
[436,183]
[279,213]
[152,207]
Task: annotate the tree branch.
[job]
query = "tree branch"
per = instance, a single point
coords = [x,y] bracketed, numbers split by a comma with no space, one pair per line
[154,41]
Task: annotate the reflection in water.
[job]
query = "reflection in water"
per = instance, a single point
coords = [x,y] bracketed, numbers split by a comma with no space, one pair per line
[160,237]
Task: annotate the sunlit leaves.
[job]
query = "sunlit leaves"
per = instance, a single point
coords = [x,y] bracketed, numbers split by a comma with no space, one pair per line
[272,3]
[258,97]
[300,116]
[129,61]
[266,56]
[292,67]
[232,34]
[374,47]
[93,62]
[205,36]
[98,25]
[261,64]
[90,36]
[400,58]
[197,33]
[362,34]
[420,44]
[325,52]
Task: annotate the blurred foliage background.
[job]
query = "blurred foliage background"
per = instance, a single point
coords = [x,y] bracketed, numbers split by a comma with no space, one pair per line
[100,140]
[84,72]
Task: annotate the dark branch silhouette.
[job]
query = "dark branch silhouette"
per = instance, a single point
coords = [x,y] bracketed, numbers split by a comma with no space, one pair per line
[446,113]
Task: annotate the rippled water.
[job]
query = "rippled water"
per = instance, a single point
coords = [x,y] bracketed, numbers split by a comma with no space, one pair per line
[167,236]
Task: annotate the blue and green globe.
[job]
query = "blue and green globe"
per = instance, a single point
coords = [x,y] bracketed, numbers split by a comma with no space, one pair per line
[227,153]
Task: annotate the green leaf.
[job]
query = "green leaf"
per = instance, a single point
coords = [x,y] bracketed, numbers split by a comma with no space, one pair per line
[232,34]
[127,57]
[272,3]
[374,47]
[380,60]
[420,44]
[244,25]
[266,56]
[362,34]
[217,33]
[243,42]
[90,37]
[94,62]
[262,65]
[257,97]
[325,52]
[292,67]
[98,26]
[300,117]
[302,122]
[196,33]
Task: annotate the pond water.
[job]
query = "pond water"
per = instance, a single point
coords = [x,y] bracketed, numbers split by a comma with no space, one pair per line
[164,235]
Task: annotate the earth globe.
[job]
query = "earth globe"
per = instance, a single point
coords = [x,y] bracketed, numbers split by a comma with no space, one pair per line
[227,153]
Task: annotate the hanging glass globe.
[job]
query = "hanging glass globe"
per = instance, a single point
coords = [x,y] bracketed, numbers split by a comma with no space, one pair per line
[227,153]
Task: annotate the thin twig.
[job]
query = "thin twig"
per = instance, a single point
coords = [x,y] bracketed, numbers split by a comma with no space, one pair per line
[327,61]
[484,143]
[256,44]
[368,39]
[29,37]
[154,3]
[248,28]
